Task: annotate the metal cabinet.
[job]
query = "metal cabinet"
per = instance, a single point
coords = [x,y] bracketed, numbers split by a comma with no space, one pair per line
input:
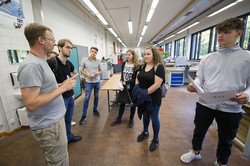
[176,78]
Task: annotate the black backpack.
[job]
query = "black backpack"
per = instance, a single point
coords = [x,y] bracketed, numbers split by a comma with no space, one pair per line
[55,66]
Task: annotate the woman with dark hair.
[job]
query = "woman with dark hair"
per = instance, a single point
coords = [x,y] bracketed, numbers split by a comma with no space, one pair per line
[150,78]
[128,74]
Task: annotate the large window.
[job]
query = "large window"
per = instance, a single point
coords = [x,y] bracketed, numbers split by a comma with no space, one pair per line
[179,47]
[203,42]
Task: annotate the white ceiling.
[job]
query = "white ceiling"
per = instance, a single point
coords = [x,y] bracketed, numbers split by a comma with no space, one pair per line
[167,18]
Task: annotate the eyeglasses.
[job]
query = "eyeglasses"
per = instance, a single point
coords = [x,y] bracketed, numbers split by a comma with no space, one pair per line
[69,48]
[54,40]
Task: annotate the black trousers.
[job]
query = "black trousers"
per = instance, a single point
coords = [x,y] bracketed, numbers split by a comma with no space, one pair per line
[228,124]
[122,107]
[121,111]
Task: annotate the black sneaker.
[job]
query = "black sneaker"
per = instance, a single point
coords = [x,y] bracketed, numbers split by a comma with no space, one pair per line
[154,144]
[83,119]
[131,123]
[75,139]
[116,122]
[142,136]
[96,113]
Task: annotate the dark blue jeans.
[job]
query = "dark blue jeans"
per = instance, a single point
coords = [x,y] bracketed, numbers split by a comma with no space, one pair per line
[69,104]
[154,116]
[88,90]
[228,124]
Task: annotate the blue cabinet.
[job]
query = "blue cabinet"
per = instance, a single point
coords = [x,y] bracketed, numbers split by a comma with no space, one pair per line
[176,78]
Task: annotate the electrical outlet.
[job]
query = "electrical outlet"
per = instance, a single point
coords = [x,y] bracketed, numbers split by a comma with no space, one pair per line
[12,121]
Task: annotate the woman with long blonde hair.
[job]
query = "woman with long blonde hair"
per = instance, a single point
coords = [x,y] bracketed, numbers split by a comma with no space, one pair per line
[150,77]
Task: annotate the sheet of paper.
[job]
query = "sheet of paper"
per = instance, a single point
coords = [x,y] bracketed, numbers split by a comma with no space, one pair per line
[199,89]
[214,97]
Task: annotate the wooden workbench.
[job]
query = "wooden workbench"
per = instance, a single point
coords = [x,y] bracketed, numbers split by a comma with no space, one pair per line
[111,85]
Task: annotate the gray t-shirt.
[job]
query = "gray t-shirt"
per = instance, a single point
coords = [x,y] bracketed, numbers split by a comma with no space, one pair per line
[91,67]
[35,72]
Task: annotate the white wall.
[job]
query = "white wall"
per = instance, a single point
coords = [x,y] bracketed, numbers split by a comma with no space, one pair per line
[237,10]
[11,38]
[66,21]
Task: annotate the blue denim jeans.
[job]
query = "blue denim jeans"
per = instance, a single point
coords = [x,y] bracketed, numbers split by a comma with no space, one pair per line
[69,104]
[228,124]
[88,90]
[154,116]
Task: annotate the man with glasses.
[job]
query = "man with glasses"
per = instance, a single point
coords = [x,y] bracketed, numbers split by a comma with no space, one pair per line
[62,69]
[42,96]
[91,69]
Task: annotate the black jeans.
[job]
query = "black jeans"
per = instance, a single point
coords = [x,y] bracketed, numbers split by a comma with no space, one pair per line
[228,124]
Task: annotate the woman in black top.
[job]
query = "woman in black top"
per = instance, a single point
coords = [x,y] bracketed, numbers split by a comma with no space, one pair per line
[128,75]
[150,77]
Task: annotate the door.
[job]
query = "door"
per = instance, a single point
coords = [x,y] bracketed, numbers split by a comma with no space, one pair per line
[74,60]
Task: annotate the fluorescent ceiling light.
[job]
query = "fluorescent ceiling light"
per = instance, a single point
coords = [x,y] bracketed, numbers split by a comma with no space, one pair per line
[102,19]
[112,31]
[123,44]
[91,6]
[144,30]
[138,44]
[97,13]
[161,41]
[154,4]
[224,8]
[130,26]
[150,14]
[189,27]
[140,39]
[119,40]
[169,37]
[151,10]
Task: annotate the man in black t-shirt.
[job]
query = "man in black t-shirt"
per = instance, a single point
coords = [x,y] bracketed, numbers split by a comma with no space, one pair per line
[62,68]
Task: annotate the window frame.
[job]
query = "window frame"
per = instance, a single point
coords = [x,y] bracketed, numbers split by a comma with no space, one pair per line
[175,50]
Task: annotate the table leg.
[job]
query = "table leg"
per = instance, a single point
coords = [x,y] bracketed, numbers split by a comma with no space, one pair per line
[247,144]
[108,101]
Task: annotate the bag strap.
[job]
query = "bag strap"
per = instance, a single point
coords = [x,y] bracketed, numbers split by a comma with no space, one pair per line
[155,67]
[125,88]
[55,66]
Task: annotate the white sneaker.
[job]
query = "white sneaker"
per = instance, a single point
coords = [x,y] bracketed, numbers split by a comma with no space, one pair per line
[217,164]
[188,157]
[73,123]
